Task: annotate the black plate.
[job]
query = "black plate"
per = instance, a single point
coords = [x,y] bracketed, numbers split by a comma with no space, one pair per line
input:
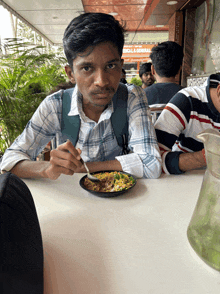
[107,194]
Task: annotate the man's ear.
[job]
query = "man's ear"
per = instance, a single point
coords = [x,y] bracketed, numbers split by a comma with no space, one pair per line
[122,62]
[218,91]
[152,70]
[69,73]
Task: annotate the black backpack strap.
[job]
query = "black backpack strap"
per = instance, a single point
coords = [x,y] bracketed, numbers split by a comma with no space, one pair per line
[119,117]
[70,125]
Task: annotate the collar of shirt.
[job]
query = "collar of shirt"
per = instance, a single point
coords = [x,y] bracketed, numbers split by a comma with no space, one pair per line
[76,108]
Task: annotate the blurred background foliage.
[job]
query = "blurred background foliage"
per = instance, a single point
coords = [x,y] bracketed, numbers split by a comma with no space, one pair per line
[136,81]
[27,75]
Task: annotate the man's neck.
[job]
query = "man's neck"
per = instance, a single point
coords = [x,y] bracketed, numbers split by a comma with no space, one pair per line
[93,112]
[165,79]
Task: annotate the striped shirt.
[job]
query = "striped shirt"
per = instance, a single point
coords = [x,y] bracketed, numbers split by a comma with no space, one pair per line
[96,140]
[188,113]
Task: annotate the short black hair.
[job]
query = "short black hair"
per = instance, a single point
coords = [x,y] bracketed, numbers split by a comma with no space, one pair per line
[167,58]
[145,67]
[91,29]
[123,70]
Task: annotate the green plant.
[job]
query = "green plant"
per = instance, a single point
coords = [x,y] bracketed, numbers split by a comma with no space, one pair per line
[136,81]
[26,77]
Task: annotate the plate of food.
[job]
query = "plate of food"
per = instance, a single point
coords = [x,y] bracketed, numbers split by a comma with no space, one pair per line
[111,184]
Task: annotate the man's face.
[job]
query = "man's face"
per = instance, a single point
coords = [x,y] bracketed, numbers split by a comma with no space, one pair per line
[147,78]
[123,76]
[97,73]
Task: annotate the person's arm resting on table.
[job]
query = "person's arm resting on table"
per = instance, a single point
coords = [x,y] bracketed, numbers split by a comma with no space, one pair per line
[191,160]
[169,126]
[20,157]
[63,160]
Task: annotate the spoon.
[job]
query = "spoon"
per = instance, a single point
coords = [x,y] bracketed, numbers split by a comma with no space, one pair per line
[92,178]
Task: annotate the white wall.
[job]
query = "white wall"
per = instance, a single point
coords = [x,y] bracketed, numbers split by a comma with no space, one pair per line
[206,53]
[6,30]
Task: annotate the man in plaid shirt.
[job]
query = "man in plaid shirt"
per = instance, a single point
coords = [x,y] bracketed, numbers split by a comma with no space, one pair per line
[93,44]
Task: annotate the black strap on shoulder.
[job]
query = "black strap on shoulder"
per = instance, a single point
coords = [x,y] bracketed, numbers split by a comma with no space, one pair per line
[70,125]
[119,117]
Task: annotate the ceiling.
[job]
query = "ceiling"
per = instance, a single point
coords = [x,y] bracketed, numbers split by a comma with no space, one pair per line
[50,17]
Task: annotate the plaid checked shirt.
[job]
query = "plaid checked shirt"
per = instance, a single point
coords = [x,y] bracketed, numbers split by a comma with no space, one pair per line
[96,140]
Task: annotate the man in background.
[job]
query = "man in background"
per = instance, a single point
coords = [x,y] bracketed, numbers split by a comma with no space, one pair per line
[167,60]
[146,76]
[123,76]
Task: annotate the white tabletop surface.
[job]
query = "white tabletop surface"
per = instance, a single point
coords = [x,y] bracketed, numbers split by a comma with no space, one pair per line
[132,244]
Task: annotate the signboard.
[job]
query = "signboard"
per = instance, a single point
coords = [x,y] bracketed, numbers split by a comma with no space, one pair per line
[137,53]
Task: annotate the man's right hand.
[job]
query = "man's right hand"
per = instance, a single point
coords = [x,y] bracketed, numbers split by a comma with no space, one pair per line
[63,160]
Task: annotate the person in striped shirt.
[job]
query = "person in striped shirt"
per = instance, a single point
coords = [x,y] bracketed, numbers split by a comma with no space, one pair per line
[190,111]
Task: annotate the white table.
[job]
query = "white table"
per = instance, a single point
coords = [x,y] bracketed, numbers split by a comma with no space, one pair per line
[132,244]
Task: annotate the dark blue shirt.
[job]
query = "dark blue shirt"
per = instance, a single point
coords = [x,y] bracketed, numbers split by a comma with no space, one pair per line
[161,93]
